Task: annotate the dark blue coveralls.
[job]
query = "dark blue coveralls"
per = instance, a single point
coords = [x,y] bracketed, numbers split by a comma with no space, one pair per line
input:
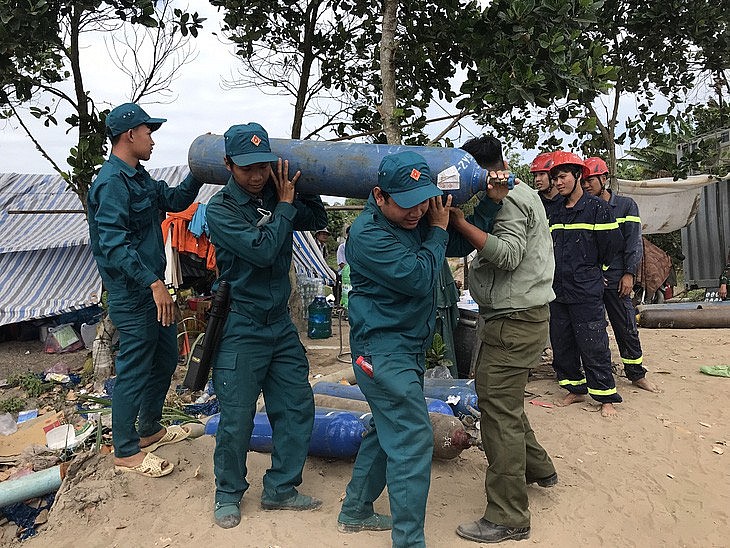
[125,205]
[585,237]
[551,204]
[392,306]
[620,310]
[260,347]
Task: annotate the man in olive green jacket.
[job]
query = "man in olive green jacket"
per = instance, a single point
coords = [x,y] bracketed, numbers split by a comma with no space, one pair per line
[511,280]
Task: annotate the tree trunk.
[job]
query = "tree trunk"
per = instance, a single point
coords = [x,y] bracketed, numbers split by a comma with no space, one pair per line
[300,106]
[388,48]
[101,351]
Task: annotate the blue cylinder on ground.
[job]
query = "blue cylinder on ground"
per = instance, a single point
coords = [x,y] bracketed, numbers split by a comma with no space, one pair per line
[336,434]
[344,169]
[462,399]
[353,392]
[469,383]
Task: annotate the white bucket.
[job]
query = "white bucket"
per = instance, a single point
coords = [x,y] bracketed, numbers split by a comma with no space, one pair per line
[61,437]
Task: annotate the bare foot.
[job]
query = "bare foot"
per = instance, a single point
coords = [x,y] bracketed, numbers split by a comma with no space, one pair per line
[608,410]
[134,460]
[646,385]
[149,440]
[569,399]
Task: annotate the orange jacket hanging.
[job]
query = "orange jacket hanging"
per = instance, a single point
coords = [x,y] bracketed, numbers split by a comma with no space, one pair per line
[176,224]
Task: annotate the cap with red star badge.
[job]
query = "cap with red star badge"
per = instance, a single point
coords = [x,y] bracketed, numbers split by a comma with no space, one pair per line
[407,178]
[248,144]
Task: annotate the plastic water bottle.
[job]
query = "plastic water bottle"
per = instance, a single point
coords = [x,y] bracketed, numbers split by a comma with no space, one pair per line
[345,286]
[320,317]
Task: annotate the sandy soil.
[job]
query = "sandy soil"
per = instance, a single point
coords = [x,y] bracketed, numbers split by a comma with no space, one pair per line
[647,478]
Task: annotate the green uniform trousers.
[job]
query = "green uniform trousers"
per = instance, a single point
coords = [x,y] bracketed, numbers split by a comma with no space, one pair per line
[145,363]
[253,357]
[397,450]
[511,345]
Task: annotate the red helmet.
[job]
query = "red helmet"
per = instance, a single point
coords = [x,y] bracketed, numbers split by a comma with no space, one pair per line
[542,162]
[594,166]
[563,157]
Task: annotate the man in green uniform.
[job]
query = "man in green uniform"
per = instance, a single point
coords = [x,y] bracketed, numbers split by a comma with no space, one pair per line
[511,280]
[124,205]
[396,249]
[251,221]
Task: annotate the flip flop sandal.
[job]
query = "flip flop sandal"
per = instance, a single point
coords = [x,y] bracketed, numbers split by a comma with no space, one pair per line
[173,434]
[151,466]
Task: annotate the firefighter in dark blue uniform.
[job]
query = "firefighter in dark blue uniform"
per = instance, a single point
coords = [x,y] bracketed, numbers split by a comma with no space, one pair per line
[585,237]
[549,195]
[621,272]
[251,222]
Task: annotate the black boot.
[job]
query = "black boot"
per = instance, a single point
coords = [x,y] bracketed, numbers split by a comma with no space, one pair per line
[548,481]
[488,532]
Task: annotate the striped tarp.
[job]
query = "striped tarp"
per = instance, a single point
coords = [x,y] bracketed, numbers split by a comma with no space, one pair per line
[46,264]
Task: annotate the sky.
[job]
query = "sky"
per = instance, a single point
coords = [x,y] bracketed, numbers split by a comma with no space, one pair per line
[200,105]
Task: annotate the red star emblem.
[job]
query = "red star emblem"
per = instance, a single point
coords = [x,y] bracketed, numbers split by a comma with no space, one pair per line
[415,174]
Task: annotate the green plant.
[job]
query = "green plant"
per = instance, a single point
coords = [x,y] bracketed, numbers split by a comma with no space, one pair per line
[170,415]
[11,405]
[30,382]
[435,354]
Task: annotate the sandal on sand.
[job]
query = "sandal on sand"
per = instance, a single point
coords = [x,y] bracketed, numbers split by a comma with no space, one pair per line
[151,466]
[173,434]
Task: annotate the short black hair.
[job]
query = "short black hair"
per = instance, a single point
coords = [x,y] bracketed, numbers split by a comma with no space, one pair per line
[486,150]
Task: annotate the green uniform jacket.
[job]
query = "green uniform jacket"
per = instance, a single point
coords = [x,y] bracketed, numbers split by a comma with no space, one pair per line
[393,273]
[125,205]
[255,256]
[514,270]
[725,276]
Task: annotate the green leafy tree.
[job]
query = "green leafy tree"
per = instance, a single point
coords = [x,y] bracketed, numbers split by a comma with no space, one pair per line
[325,52]
[528,57]
[608,53]
[41,60]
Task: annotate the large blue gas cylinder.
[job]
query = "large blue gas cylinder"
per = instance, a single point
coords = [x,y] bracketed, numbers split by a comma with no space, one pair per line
[353,392]
[469,383]
[462,399]
[349,170]
[336,434]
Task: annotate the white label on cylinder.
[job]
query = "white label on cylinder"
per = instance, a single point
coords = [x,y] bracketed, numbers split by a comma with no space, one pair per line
[449,179]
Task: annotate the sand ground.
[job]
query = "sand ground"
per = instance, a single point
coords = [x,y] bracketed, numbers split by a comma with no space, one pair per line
[647,478]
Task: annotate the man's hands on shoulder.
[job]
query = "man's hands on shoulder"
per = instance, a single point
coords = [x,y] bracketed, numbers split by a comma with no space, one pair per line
[438,212]
[497,187]
[284,186]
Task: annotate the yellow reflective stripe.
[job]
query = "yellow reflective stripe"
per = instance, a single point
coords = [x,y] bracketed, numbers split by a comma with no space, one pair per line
[594,392]
[565,382]
[604,267]
[584,226]
[637,361]
[578,226]
[628,219]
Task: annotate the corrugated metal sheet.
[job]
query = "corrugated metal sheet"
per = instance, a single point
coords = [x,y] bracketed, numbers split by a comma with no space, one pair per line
[46,264]
[706,241]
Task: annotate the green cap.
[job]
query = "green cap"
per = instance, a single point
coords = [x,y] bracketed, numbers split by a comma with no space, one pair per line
[248,144]
[129,116]
[407,178]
